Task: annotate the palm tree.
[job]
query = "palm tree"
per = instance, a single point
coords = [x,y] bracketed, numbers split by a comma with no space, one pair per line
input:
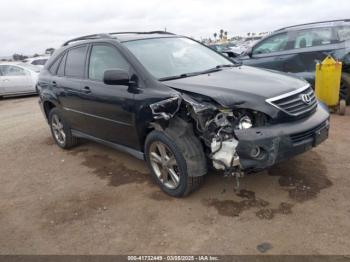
[215,35]
[225,33]
[221,33]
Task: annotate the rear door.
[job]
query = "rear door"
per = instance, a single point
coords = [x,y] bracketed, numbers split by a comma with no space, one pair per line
[14,79]
[69,85]
[108,107]
[270,53]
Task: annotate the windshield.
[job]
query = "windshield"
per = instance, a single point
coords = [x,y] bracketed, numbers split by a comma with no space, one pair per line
[168,57]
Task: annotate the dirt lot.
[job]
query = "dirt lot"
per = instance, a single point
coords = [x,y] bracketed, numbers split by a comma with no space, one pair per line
[94,200]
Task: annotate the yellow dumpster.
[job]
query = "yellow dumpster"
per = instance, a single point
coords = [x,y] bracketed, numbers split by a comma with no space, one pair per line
[327,83]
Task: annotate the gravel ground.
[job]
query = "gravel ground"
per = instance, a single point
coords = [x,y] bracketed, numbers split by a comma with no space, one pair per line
[95,200]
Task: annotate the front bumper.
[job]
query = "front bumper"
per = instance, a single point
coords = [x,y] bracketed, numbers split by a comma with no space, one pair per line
[281,141]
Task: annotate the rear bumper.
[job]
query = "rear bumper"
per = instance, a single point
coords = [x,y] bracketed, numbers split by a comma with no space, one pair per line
[282,141]
[41,105]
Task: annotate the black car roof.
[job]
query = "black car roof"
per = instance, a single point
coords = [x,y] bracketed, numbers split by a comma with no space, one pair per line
[330,23]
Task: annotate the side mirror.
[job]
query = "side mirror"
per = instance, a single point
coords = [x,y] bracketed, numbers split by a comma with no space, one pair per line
[116,77]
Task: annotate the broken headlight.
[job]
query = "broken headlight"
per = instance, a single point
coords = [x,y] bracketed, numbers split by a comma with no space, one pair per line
[245,122]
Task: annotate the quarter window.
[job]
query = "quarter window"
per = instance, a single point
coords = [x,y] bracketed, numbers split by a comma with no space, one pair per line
[54,66]
[272,44]
[105,57]
[60,71]
[343,33]
[75,62]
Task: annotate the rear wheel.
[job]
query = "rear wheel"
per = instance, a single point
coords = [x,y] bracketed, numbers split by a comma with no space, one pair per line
[168,165]
[342,107]
[60,130]
[344,92]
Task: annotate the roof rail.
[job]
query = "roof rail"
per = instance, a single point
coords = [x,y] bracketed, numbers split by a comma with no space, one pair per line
[87,37]
[313,23]
[109,35]
[149,32]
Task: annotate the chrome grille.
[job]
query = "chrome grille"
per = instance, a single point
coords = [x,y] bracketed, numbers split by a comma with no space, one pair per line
[293,102]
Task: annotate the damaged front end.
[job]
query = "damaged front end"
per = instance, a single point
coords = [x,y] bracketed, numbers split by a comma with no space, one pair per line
[240,140]
[214,125]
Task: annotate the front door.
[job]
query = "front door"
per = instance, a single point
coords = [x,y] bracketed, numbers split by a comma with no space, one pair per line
[108,107]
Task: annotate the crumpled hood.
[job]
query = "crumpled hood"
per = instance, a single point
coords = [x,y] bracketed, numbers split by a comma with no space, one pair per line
[245,86]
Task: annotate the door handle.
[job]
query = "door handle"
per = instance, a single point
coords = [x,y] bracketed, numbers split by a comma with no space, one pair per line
[86,90]
[54,84]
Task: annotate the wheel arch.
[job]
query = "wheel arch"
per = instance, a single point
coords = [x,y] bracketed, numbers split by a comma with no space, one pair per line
[48,105]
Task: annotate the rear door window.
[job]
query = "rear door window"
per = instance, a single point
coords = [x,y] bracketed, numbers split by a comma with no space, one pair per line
[314,37]
[75,62]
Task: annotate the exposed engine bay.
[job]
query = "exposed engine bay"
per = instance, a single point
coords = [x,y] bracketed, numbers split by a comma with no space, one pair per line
[214,125]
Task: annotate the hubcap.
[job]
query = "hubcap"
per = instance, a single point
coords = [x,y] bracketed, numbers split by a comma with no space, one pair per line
[58,130]
[164,165]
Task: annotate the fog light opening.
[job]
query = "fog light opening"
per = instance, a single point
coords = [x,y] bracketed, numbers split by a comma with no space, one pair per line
[257,152]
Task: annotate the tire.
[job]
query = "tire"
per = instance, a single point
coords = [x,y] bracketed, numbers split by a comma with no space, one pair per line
[344,92]
[187,182]
[69,140]
[342,107]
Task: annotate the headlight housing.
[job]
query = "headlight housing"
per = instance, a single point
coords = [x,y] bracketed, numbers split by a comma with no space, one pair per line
[245,122]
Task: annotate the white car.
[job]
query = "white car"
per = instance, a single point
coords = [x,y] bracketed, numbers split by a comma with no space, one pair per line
[18,79]
[37,61]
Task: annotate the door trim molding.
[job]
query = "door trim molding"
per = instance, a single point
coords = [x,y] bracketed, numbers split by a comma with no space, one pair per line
[99,117]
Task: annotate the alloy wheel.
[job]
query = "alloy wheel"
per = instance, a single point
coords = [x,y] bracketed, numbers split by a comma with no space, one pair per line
[58,130]
[164,165]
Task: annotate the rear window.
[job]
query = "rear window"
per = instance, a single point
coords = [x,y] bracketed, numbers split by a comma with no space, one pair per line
[75,62]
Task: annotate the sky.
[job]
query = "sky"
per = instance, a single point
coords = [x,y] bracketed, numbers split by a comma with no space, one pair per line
[29,27]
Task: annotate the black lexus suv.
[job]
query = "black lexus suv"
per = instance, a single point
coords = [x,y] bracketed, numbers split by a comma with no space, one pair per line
[179,105]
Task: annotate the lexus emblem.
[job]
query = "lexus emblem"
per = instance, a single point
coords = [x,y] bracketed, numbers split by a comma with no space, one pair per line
[306,98]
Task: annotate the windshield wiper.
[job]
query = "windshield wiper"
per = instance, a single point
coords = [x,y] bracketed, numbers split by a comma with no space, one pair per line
[174,77]
[211,70]
[225,65]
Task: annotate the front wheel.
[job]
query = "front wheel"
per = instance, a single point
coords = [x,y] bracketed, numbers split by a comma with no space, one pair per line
[168,165]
